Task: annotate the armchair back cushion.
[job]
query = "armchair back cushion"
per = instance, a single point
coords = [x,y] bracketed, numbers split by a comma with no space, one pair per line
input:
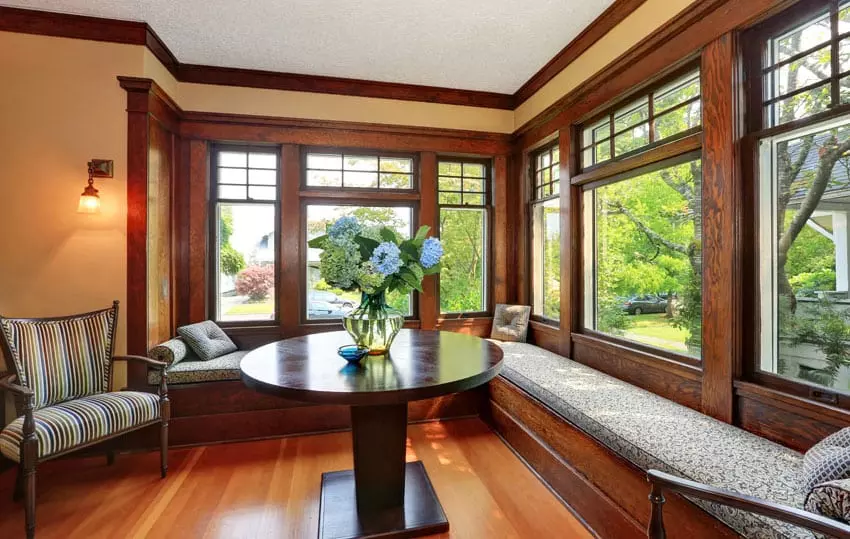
[61,359]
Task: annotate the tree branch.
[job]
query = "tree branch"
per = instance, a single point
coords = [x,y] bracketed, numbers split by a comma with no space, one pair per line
[653,236]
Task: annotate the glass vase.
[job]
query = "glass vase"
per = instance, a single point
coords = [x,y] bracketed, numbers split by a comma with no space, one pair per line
[373,324]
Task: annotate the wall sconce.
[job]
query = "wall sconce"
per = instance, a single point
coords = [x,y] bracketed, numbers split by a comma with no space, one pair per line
[89,199]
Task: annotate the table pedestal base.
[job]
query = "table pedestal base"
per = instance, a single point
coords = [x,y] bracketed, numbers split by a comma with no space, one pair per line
[420,515]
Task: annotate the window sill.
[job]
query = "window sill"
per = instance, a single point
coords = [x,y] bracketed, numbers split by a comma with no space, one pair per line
[678,365]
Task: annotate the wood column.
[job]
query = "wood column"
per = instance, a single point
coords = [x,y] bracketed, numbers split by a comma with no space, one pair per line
[721,297]
[503,235]
[429,214]
[289,295]
[199,163]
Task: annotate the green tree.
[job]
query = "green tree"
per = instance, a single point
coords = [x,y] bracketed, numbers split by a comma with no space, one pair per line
[231,261]
[462,276]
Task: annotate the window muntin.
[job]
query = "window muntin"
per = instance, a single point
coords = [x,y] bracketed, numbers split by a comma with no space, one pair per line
[359,171]
[463,197]
[547,172]
[806,70]
[804,223]
[326,303]
[670,110]
[244,209]
[643,259]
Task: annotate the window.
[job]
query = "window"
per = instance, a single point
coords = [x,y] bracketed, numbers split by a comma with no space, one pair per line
[463,196]
[802,136]
[244,211]
[359,171]
[324,302]
[806,69]
[546,234]
[643,260]
[670,110]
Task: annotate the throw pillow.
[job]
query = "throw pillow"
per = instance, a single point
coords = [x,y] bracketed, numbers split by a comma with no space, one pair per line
[828,460]
[207,340]
[510,323]
[830,499]
[171,352]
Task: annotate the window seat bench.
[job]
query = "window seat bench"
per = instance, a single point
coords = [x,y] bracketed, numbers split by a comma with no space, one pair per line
[654,433]
[184,367]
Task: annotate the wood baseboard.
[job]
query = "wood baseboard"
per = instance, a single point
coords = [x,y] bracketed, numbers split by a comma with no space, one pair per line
[609,492]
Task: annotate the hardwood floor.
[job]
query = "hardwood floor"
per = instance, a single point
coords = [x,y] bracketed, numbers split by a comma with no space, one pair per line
[271,488]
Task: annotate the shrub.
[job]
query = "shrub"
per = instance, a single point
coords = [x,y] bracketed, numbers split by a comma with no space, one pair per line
[231,261]
[255,282]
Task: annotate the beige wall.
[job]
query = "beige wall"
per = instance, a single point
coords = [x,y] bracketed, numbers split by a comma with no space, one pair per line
[643,21]
[60,105]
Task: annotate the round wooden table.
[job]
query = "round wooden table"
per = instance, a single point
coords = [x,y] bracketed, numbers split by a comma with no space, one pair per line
[383,496]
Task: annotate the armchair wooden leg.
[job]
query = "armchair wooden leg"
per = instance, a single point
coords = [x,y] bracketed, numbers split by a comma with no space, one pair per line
[18,493]
[29,497]
[163,448]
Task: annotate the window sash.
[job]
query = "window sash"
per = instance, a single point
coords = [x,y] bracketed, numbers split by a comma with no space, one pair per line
[345,172]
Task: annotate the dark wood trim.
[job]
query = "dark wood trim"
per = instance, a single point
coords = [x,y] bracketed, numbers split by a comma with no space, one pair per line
[670,46]
[295,82]
[401,138]
[658,154]
[429,214]
[721,313]
[608,491]
[568,208]
[29,21]
[611,17]
[500,232]
[672,380]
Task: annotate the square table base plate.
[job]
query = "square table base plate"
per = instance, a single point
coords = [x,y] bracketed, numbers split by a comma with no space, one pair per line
[421,515]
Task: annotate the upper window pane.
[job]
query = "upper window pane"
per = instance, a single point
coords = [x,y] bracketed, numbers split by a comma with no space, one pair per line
[359,171]
[546,172]
[325,302]
[643,259]
[461,183]
[672,109]
[798,68]
[246,175]
[805,241]
[546,259]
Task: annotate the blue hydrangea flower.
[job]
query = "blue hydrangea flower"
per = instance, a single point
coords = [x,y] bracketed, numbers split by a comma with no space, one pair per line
[432,252]
[344,229]
[386,258]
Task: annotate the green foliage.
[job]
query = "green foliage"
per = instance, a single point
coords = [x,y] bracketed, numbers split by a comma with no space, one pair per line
[462,275]
[829,331]
[231,261]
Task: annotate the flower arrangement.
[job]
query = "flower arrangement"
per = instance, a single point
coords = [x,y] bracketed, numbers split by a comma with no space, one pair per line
[352,260]
[375,262]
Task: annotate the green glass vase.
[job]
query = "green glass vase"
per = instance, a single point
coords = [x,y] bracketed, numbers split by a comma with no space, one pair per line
[373,324]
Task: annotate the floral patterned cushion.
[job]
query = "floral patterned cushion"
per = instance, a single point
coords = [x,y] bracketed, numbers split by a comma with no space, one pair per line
[830,499]
[828,460]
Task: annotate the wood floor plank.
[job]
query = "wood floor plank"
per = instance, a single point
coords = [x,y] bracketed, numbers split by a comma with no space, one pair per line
[271,488]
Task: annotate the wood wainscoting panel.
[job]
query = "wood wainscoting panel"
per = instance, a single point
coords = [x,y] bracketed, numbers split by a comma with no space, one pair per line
[608,491]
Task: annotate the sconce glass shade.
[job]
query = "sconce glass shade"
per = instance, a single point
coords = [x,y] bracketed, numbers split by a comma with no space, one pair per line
[89,200]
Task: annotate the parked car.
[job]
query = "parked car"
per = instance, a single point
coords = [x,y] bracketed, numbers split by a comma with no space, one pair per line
[323,309]
[330,297]
[645,303]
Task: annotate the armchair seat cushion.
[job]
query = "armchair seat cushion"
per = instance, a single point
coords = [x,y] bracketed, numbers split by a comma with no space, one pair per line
[71,424]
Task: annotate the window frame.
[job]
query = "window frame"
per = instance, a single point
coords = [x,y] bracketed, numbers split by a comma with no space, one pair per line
[359,152]
[754,42]
[488,233]
[547,145]
[670,151]
[212,209]
[610,111]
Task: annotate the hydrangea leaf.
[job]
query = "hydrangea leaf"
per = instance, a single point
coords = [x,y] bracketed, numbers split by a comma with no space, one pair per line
[387,234]
[422,233]
[366,245]
[433,269]
[318,242]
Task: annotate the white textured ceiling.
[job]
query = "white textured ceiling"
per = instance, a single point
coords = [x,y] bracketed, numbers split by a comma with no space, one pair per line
[491,45]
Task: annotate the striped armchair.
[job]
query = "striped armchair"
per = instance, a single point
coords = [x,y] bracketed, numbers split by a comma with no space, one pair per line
[61,376]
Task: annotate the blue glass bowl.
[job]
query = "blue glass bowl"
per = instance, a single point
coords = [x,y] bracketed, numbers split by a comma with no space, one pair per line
[353,353]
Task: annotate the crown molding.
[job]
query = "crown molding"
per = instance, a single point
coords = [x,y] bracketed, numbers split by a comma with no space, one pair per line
[139,33]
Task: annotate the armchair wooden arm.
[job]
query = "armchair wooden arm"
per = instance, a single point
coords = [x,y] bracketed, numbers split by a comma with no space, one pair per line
[785,513]
[142,359]
[6,384]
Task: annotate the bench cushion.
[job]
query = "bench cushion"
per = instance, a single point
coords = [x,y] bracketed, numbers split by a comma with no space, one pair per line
[655,433]
[73,423]
[189,371]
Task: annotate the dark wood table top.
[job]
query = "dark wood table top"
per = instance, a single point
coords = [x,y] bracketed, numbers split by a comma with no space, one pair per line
[421,365]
